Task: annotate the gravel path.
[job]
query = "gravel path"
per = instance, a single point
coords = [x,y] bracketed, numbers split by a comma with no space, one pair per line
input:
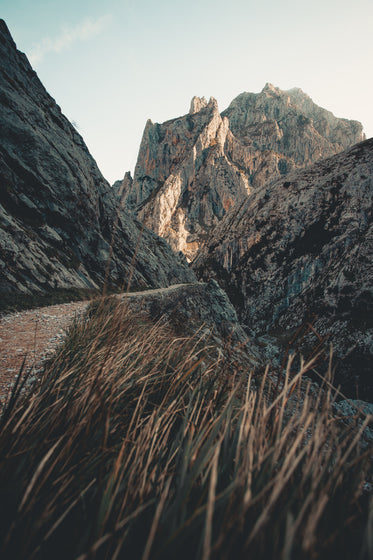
[34,335]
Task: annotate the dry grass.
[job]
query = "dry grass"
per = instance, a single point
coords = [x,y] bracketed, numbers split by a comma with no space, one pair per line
[137,444]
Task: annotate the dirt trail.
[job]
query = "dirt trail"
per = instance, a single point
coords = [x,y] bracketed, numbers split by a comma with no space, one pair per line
[169,289]
[35,334]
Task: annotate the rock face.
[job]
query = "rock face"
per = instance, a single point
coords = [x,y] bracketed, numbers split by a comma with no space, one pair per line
[303,247]
[58,215]
[191,170]
[183,182]
[200,308]
[277,131]
[201,302]
[122,188]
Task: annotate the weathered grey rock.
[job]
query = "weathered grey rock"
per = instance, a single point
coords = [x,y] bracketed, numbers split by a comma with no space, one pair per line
[199,307]
[59,219]
[206,302]
[302,249]
[183,182]
[284,130]
[352,407]
[191,170]
[354,413]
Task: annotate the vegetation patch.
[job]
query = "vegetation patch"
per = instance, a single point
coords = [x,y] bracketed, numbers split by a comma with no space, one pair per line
[135,443]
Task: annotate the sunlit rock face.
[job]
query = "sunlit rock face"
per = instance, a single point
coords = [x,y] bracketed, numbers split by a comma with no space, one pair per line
[288,127]
[301,249]
[183,182]
[191,170]
[60,226]
[275,132]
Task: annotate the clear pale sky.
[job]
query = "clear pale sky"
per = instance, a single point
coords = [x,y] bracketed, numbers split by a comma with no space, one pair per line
[112,65]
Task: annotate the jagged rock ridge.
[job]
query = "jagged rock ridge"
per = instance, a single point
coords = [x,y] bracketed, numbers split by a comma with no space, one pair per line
[183,182]
[191,170]
[303,247]
[289,127]
[58,215]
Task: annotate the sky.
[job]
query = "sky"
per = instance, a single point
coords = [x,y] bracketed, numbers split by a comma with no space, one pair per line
[112,65]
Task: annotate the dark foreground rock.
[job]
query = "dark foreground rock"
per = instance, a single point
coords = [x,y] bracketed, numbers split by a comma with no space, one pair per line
[199,308]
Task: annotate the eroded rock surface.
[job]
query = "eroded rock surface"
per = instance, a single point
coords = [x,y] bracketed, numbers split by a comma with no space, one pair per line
[199,307]
[277,131]
[191,170]
[59,219]
[183,182]
[302,249]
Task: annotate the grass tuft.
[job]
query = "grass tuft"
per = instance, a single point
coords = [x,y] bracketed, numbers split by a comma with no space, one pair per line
[137,443]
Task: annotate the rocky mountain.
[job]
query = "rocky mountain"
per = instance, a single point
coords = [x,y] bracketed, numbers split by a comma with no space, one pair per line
[301,249]
[60,224]
[288,127]
[183,182]
[289,245]
[191,170]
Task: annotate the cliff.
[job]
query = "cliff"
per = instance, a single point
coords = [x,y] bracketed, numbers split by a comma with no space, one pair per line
[191,170]
[183,182]
[301,249]
[60,224]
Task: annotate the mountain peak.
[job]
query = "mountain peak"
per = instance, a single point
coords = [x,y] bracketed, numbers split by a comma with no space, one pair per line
[297,90]
[199,103]
[270,88]
[4,30]
[277,120]
[191,171]
[6,40]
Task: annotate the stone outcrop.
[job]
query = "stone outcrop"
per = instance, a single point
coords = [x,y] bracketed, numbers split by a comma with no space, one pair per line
[302,248]
[60,224]
[183,182]
[197,104]
[123,188]
[202,308]
[286,127]
[204,303]
[191,170]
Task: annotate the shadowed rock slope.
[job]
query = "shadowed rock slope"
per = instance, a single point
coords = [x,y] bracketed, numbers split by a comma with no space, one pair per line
[302,248]
[191,170]
[58,215]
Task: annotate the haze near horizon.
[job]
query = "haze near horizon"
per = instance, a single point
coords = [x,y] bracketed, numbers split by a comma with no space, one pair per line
[112,66]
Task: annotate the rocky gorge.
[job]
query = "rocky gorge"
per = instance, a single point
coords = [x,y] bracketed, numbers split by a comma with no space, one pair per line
[268,198]
[185,409]
[273,199]
[300,250]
